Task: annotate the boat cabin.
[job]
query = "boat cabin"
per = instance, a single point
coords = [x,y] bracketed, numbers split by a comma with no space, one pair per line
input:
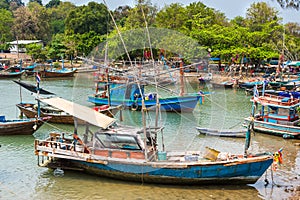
[278,110]
[129,91]
[123,144]
[287,116]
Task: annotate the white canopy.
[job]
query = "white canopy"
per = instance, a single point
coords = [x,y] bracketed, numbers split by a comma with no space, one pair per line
[81,112]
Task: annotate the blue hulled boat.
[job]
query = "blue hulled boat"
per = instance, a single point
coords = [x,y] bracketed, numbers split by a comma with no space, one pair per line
[131,154]
[277,115]
[130,96]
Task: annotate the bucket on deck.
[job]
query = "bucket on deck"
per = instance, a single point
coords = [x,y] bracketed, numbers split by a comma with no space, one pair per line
[161,155]
[211,154]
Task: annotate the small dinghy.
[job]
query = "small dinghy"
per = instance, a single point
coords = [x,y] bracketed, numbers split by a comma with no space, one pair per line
[240,133]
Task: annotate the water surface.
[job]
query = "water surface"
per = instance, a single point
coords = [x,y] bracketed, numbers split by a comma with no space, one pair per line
[21,178]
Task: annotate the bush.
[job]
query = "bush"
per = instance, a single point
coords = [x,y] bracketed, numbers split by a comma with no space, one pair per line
[56,65]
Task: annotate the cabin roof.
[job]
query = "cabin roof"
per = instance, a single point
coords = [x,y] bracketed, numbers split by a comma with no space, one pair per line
[277,101]
[81,112]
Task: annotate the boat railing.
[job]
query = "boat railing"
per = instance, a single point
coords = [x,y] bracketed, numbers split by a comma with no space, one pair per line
[278,100]
[59,143]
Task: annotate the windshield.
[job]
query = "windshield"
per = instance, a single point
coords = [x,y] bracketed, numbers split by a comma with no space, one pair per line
[118,141]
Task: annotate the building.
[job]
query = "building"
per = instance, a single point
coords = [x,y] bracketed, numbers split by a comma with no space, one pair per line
[18,46]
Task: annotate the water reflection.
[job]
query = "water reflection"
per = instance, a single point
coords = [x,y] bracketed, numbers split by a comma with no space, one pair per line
[21,178]
[101,188]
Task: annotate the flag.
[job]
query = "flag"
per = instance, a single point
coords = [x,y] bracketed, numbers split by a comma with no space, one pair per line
[255,93]
[37,78]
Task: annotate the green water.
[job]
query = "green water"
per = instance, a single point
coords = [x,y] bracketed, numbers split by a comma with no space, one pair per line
[21,178]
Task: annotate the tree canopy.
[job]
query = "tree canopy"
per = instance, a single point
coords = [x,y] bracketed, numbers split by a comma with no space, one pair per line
[69,30]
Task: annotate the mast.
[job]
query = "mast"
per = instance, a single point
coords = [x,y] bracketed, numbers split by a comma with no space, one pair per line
[38,79]
[181,78]
[107,74]
[251,123]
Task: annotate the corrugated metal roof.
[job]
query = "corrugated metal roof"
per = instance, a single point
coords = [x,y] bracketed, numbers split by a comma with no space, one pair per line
[25,42]
[81,112]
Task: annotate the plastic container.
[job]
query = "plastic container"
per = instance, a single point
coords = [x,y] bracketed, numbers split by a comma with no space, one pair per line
[161,155]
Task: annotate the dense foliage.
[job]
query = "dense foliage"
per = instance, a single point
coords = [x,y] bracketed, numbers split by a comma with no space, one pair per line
[69,30]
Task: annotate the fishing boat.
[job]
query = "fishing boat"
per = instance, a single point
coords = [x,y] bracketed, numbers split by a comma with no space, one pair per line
[30,110]
[225,84]
[237,133]
[251,84]
[10,73]
[19,126]
[123,90]
[54,73]
[277,115]
[59,116]
[205,79]
[131,96]
[132,154]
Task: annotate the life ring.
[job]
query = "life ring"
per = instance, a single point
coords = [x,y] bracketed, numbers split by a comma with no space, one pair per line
[134,106]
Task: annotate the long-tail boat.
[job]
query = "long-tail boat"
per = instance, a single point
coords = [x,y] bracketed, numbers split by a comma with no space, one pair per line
[131,154]
[30,110]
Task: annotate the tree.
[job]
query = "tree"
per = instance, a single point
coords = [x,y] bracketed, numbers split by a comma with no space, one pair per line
[31,23]
[24,26]
[37,52]
[172,17]
[238,21]
[121,14]
[36,1]
[136,17]
[41,17]
[4,4]
[15,4]
[53,3]
[6,21]
[289,3]
[58,14]
[83,19]
[56,49]
[259,14]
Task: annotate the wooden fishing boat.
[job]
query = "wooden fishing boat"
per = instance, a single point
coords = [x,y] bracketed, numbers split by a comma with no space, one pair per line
[8,74]
[19,126]
[131,154]
[58,116]
[30,110]
[238,133]
[277,115]
[58,73]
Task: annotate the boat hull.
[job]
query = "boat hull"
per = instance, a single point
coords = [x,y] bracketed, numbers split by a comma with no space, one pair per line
[7,75]
[30,112]
[57,74]
[285,131]
[19,127]
[222,85]
[171,104]
[228,173]
[222,133]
